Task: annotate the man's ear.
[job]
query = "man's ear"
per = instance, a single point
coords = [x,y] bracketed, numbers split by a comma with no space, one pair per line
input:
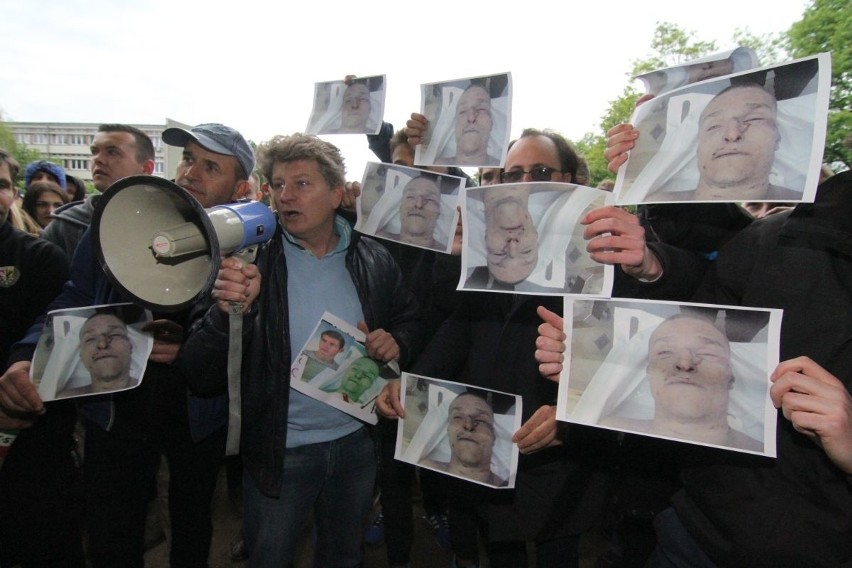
[339,191]
[148,167]
[241,190]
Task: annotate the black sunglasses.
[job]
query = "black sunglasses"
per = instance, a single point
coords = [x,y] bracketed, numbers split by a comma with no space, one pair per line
[541,173]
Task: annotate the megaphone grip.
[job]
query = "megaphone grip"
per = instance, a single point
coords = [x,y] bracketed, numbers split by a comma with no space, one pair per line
[235,356]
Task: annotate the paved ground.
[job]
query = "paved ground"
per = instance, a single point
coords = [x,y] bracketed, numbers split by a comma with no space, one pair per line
[425,553]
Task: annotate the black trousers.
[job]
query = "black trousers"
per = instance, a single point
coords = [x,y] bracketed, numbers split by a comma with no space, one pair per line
[121,467]
[40,501]
[395,482]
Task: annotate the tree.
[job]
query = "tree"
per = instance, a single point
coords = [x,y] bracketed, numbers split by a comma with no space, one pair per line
[770,48]
[826,25]
[672,45]
[20,152]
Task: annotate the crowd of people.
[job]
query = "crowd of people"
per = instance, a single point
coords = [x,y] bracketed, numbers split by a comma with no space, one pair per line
[663,503]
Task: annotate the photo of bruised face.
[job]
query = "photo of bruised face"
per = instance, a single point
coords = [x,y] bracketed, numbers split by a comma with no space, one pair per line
[511,238]
[737,139]
[473,125]
[470,429]
[689,369]
[419,210]
[105,351]
[355,109]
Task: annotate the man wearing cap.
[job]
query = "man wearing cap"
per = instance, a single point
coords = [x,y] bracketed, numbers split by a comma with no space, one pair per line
[127,432]
[202,172]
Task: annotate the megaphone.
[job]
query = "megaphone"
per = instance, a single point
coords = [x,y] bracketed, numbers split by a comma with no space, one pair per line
[161,248]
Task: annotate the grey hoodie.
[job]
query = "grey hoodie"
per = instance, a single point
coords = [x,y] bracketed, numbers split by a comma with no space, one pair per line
[69,223]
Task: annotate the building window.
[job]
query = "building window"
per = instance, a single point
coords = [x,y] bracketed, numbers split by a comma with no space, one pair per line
[76,164]
[159,167]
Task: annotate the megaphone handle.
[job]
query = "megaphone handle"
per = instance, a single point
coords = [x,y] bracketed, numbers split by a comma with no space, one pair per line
[235,358]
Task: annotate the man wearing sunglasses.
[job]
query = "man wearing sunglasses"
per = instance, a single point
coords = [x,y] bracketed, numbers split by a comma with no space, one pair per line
[489,341]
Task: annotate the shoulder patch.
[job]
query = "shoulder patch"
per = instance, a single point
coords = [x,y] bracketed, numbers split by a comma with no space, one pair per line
[9,276]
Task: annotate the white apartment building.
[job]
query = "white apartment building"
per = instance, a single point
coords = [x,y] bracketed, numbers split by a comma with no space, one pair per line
[68,144]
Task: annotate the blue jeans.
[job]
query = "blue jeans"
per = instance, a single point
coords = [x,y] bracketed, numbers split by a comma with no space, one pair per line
[675,546]
[335,479]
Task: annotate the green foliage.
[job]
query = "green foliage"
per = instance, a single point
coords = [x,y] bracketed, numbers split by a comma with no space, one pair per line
[672,45]
[826,25]
[770,48]
[592,145]
[20,152]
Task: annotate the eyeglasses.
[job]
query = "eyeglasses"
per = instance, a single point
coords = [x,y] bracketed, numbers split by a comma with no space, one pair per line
[541,173]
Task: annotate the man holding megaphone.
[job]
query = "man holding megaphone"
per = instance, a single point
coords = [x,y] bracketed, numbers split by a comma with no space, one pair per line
[301,454]
[127,432]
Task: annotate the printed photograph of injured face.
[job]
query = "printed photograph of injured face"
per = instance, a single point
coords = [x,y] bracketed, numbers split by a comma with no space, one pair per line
[756,136]
[354,108]
[737,140]
[526,237]
[468,122]
[416,208]
[511,238]
[106,352]
[753,136]
[690,377]
[460,430]
[418,214]
[737,137]
[471,436]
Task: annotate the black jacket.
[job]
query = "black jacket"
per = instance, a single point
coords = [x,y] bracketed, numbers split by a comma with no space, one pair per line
[795,510]
[490,342]
[32,273]
[386,303]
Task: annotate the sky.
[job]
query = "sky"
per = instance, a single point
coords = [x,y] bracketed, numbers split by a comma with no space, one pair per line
[252,64]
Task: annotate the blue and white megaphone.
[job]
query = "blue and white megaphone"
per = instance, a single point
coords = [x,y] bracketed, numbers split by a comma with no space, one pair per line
[161,248]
